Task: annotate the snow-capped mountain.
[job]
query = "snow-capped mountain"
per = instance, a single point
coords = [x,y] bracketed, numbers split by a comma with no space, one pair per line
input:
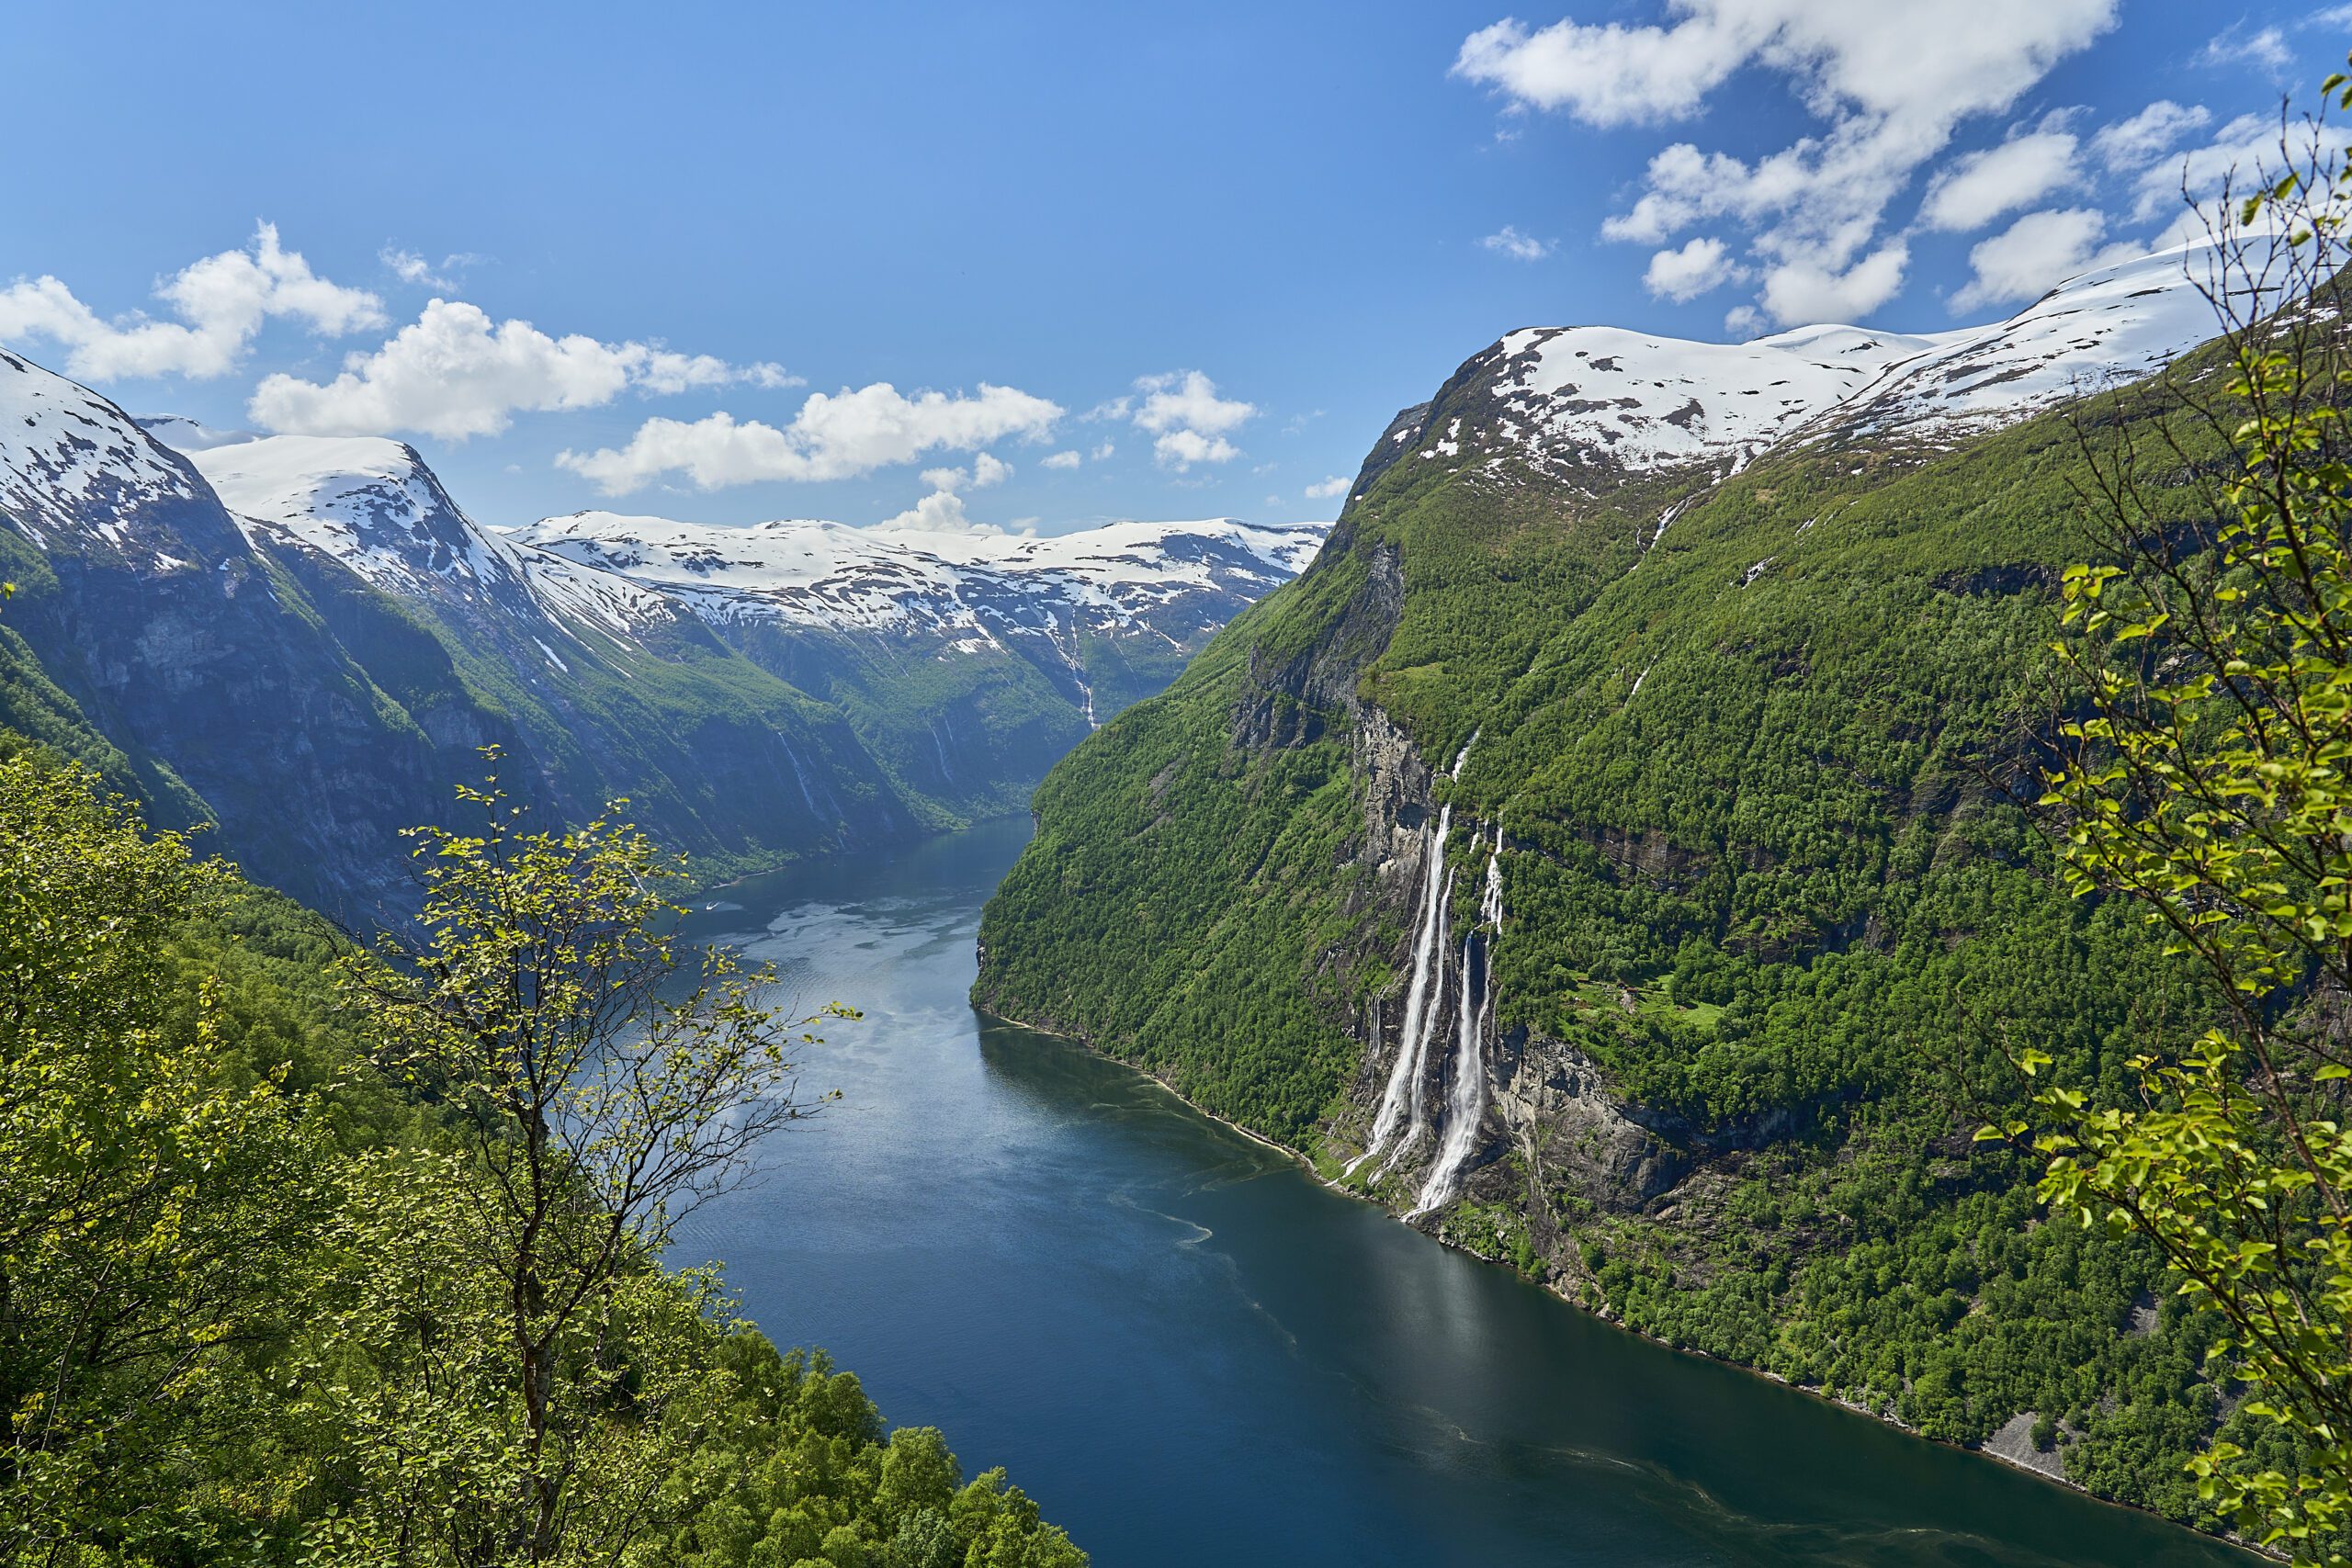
[306,639]
[817,604]
[831,576]
[74,466]
[1619,402]
[372,505]
[1097,618]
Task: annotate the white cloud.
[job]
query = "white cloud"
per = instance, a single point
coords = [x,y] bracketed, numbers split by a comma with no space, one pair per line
[836,435]
[220,302]
[1103,452]
[1334,486]
[1802,291]
[2266,48]
[1883,59]
[2130,144]
[2034,254]
[1889,84]
[1187,419]
[1186,399]
[410,266]
[1179,449]
[1060,460]
[1704,263]
[454,373]
[1509,242]
[1980,186]
[2243,148]
[941,512]
[1608,74]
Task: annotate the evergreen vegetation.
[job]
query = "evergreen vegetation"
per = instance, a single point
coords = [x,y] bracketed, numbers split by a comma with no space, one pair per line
[1766,868]
[306,1258]
[2206,787]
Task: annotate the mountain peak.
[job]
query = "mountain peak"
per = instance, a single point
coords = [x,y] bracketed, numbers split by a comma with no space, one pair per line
[1616,402]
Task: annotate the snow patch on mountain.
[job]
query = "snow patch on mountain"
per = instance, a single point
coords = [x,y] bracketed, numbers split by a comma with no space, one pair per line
[828,574]
[2109,325]
[72,462]
[1645,402]
[373,505]
[184,434]
[1637,402]
[370,502]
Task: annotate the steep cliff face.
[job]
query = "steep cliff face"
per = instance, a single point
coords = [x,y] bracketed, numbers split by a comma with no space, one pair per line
[1591,857]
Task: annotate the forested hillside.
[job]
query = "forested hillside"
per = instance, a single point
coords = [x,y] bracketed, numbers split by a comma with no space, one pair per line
[1726,735]
[252,1306]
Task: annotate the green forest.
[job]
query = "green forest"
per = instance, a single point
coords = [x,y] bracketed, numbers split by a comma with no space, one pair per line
[1762,782]
[257,1291]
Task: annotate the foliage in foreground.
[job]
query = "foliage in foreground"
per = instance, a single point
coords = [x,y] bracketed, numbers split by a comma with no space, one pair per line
[2210,785]
[263,1300]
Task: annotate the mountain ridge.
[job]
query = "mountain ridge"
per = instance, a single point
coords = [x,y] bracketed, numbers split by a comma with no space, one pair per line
[304,641]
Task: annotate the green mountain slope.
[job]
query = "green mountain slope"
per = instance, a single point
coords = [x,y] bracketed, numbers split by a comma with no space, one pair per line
[1724,728]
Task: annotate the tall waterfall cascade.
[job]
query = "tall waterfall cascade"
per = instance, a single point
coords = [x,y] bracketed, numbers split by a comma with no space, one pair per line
[1403,1095]
[1466,1104]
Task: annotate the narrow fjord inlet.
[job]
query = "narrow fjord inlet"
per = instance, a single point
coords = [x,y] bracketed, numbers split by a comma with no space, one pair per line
[1350,784]
[1189,1351]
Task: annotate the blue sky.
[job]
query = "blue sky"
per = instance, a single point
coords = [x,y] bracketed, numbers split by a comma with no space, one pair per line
[1147,260]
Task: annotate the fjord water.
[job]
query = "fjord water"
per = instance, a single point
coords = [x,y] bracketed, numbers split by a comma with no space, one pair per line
[1189,1352]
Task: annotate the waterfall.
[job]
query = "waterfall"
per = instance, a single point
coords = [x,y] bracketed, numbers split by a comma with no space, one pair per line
[1466,1101]
[1490,908]
[1404,1076]
[1418,1123]
[1463,755]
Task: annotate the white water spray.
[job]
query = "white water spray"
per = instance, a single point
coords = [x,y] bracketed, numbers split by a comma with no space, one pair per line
[1466,1101]
[1418,1123]
[1463,755]
[1404,1076]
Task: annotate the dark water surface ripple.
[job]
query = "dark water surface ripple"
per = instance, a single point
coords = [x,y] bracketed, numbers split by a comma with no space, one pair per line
[1189,1353]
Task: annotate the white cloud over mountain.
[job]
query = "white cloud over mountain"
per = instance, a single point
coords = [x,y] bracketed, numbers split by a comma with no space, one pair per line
[1685,274]
[941,512]
[2021,261]
[455,373]
[1187,419]
[1977,187]
[2131,143]
[834,436]
[1888,84]
[1896,91]
[221,304]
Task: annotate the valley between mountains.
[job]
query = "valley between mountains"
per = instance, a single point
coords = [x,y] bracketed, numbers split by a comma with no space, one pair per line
[302,642]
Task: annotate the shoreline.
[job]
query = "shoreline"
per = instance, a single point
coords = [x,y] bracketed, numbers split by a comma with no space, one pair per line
[1307,1164]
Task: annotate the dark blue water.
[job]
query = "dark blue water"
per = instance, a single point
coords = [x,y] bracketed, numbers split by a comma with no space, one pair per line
[1189,1353]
